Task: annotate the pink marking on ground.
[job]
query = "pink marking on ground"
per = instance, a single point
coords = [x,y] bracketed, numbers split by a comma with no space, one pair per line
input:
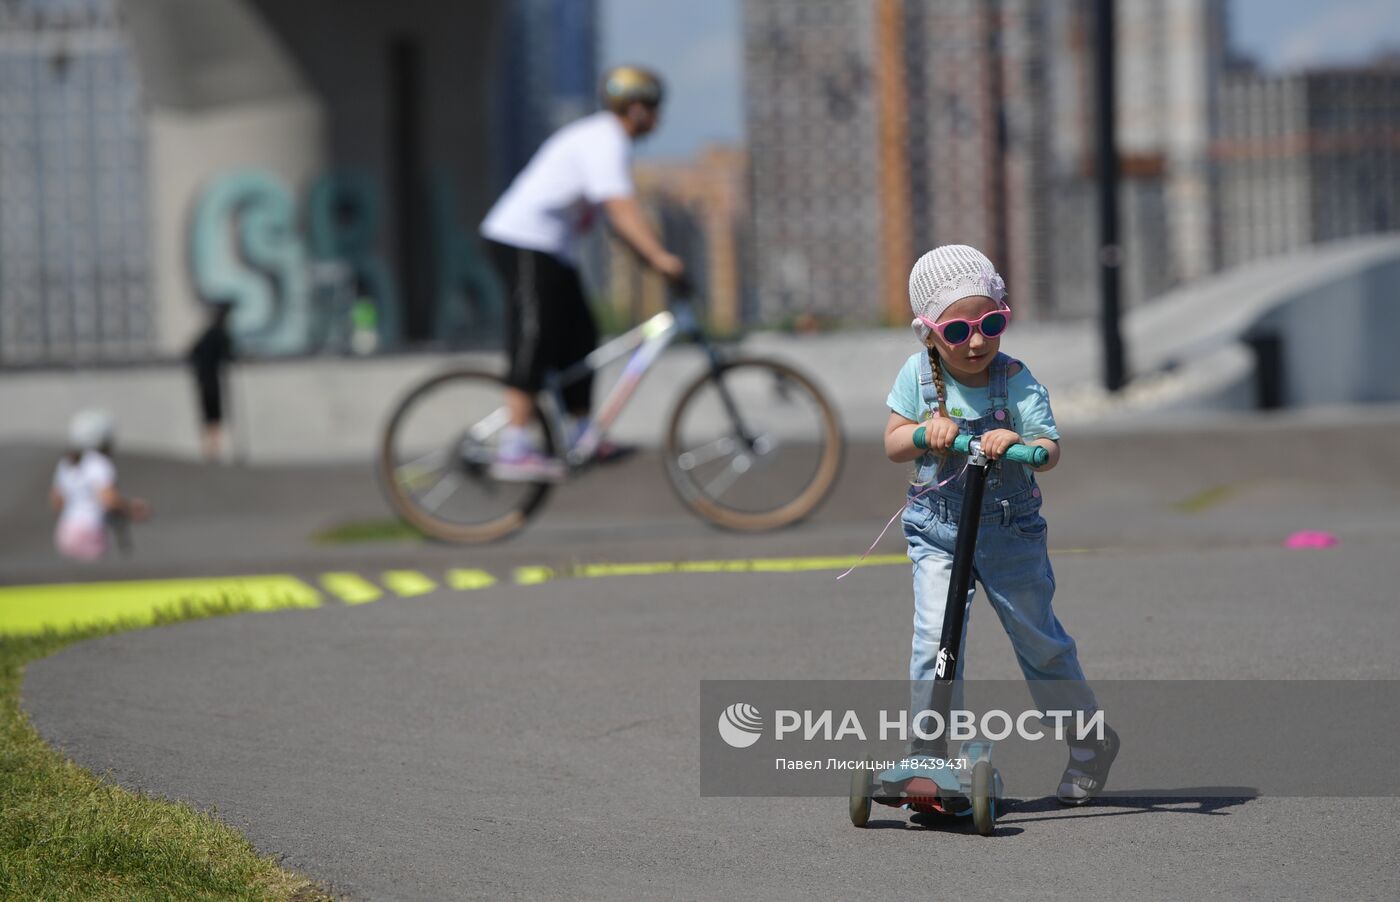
[1310,538]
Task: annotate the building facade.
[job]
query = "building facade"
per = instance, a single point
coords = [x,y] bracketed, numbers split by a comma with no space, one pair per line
[984,120]
[297,160]
[980,132]
[75,282]
[1307,158]
[811,122]
[1170,59]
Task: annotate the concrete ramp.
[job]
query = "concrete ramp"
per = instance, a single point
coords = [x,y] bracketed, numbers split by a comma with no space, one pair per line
[1322,323]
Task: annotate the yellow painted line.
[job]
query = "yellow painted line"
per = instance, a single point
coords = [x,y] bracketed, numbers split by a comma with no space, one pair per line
[592,570]
[469,579]
[351,588]
[407,583]
[757,565]
[798,564]
[29,610]
[533,576]
[713,567]
[749,565]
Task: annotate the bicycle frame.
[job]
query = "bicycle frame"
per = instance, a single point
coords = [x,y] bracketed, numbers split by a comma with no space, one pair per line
[644,342]
[705,429]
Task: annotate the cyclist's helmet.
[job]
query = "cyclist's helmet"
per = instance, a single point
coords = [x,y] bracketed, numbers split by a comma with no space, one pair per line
[625,85]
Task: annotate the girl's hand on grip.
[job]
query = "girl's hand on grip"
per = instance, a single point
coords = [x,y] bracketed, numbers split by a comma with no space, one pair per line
[940,432]
[995,443]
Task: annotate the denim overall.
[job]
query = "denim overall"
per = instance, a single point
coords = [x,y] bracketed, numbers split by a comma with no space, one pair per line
[1011,561]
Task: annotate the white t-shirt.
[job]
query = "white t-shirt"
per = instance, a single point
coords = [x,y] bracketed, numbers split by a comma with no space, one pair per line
[80,485]
[555,198]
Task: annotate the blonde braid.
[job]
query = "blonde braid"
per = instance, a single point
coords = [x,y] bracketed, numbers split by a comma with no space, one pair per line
[937,364]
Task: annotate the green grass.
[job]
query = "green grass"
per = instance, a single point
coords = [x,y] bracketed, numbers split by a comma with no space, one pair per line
[64,834]
[387,530]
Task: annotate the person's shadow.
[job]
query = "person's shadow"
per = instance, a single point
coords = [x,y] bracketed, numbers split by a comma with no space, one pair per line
[1011,813]
[1211,800]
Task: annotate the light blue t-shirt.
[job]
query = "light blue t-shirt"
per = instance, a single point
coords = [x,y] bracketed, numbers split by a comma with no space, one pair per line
[1028,400]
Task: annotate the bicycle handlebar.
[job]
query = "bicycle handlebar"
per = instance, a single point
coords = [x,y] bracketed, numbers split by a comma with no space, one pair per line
[1034,455]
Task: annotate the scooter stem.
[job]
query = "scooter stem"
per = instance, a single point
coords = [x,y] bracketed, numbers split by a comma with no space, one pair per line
[955,611]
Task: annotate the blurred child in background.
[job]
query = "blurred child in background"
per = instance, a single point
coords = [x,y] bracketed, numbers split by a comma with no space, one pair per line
[84,492]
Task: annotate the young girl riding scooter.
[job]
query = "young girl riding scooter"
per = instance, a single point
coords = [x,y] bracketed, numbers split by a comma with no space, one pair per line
[961,383]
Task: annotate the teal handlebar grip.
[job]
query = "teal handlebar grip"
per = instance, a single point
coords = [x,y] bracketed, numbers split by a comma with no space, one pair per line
[1034,455]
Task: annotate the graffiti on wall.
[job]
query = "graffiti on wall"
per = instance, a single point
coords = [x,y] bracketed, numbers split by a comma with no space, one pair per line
[312,277]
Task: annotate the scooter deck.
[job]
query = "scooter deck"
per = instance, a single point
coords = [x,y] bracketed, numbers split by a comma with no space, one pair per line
[924,795]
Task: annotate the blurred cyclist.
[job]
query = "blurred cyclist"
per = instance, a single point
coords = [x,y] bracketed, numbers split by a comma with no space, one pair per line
[532,235]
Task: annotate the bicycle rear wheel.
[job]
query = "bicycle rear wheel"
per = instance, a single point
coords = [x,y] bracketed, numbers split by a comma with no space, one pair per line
[753,445]
[435,457]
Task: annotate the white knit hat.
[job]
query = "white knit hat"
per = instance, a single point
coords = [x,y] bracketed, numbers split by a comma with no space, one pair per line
[946,275]
[90,429]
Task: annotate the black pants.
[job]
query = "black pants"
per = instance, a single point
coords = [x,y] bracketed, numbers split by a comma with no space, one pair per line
[209,387]
[548,323]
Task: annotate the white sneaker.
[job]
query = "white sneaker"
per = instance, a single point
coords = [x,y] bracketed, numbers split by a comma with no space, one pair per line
[530,466]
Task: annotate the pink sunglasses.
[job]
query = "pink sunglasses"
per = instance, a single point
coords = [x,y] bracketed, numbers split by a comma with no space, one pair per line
[958,331]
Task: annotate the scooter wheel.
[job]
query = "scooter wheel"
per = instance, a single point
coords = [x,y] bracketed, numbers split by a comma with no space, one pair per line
[860,797]
[984,802]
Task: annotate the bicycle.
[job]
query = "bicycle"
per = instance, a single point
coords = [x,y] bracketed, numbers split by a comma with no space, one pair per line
[752,443]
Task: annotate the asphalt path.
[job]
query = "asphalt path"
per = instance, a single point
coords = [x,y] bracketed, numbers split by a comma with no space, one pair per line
[542,740]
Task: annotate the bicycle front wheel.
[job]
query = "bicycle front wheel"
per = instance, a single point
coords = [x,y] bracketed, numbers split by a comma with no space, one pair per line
[753,445]
[435,459]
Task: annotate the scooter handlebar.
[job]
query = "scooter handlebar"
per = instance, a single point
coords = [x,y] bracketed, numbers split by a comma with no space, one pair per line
[1033,455]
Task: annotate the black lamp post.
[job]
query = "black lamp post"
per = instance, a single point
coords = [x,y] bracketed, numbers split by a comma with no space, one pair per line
[1110,252]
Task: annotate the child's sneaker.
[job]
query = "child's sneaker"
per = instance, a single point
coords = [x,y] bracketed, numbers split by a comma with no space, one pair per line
[1087,771]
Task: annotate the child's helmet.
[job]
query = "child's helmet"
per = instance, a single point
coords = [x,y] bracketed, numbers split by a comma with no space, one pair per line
[946,275]
[90,430]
